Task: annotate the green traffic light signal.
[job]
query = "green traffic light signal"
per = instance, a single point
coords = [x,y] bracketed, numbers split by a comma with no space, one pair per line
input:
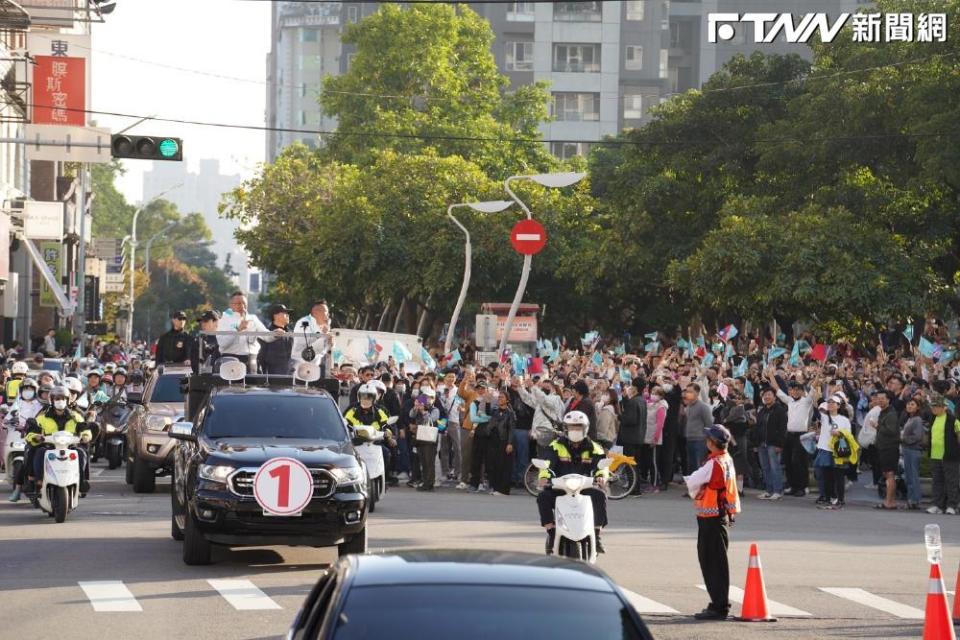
[169,148]
[146,147]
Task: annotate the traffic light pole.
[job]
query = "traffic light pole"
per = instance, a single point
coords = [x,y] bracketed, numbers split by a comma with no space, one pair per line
[79,319]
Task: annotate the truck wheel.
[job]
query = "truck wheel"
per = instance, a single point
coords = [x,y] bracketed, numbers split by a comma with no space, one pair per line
[177,515]
[58,500]
[144,478]
[128,471]
[356,544]
[196,548]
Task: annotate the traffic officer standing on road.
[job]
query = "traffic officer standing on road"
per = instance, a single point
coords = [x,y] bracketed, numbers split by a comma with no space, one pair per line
[716,501]
[274,357]
[174,345]
[208,321]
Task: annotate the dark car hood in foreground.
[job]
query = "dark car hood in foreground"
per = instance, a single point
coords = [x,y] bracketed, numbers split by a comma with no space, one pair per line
[252,452]
[438,566]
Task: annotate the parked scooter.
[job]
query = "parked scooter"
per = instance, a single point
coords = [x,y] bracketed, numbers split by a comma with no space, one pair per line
[12,446]
[60,491]
[575,537]
[367,445]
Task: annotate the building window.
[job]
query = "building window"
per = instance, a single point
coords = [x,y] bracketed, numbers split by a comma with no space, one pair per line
[632,106]
[353,14]
[675,35]
[254,283]
[308,35]
[674,74]
[664,62]
[576,107]
[634,57]
[520,12]
[303,117]
[635,9]
[665,17]
[567,150]
[578,58]
[577,11]
[519,56]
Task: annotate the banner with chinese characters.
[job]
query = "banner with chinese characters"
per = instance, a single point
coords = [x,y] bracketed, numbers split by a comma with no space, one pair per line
[61,78]
[52,252]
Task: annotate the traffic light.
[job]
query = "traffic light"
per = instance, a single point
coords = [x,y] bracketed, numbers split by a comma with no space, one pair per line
[146,147]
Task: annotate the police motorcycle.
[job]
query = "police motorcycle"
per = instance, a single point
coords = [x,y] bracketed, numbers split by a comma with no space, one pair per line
[59,493]
[367,444]
[575,537]
[13,446]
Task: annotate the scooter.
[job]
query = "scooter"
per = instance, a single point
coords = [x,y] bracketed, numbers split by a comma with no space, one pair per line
[112,441]
[60,492]
[13,444]
[575,537]
[369,450]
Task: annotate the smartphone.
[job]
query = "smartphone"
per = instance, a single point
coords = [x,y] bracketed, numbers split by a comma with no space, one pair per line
[422,399]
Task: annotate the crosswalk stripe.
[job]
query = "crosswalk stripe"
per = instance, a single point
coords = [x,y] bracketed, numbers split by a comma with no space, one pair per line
[243,595]
[110,595]
[775,608]
[645,605]
[868,599]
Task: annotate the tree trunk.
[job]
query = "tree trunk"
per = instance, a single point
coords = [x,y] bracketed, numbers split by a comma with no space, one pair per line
[383,316]
[400,310]
[366,320]
[422,323]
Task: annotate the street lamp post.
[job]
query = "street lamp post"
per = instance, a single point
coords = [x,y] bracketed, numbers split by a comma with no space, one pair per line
[133,252]
[483,207]
[147,268]
[553,180]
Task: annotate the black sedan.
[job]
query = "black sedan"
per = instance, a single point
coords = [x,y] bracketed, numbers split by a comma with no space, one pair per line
[465,595]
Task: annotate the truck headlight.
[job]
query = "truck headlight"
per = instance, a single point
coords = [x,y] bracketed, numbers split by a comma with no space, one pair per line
[158,423]
[215,473]
[349,475]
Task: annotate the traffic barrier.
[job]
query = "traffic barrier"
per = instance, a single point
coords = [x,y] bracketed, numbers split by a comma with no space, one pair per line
[754,607]
[937,624]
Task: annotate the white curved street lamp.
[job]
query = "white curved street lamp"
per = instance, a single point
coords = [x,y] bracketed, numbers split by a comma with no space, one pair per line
[493,206]
[552,180]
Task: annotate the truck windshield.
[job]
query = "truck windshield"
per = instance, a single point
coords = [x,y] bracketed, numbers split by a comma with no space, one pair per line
[273,415]
[167,388]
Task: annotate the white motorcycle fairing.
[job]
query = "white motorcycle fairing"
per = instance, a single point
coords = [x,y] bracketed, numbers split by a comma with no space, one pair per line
[61,475]
[573,514]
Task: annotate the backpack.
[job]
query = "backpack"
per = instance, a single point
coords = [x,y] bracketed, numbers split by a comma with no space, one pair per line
[841,448]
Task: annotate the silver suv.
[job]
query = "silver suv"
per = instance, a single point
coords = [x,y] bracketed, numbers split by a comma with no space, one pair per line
[149,447]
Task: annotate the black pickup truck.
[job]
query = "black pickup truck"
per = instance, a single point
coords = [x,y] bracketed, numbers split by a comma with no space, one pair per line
[230,431]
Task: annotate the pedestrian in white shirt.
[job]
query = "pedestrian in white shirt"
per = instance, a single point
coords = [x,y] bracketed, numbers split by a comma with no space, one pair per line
[236,319]
[800,403]
[317,321]
[548,414]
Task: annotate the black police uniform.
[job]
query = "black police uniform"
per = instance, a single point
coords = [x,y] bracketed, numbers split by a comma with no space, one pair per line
[577,463]
[211,352]
[174,346]
[274,357]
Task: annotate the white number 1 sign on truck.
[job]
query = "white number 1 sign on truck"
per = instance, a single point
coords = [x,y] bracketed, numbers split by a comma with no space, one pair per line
[283,487]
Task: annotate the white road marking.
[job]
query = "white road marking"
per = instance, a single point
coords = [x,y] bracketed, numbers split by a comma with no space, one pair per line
[645,605]
[775,608]
[868,599]
[96,474]
[243,595]
[534,237]
[110,595]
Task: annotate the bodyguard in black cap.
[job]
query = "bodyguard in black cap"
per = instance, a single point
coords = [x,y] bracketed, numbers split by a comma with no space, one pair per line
[274,357]
[175,345]
[211,348]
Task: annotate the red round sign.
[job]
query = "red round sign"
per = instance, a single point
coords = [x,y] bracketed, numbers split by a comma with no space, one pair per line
[528,237]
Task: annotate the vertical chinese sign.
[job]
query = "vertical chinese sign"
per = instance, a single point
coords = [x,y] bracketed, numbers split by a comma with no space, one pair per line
[52,252]
[60,78]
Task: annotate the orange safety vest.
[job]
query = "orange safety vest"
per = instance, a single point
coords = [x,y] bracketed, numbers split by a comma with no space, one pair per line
[706,502]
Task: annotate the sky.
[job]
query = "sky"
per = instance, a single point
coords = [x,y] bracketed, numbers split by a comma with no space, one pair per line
[227,37]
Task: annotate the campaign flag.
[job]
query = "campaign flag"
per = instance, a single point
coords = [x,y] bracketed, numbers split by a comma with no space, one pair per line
[547,348]
[652,335]
[555,357]
[653,347]
[908,333]
[589,339]
[701,342]
[741,369]
[804,346]
[819,352]
[620,350]
[337,356]
[539,344]
[625,375]
[454,356]
[748,390]
[781,337]
[400,352]
[519,363]
[728,333]
[795,354]
[597,358]
[774,353]
[729,353]
[708,360]
[79,352]
[700,352]
[947,356]
[927,348]
[428,361]
[717,347]
[682,344]
[373,349]
[536,365]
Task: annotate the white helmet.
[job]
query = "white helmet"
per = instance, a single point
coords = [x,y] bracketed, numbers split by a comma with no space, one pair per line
[367,389]
[381,388]
[73,385]
[19,368]
[576,418]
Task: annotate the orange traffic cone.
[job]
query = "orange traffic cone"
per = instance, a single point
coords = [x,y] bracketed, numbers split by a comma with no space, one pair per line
[754,607]
[937,625]
[956,600]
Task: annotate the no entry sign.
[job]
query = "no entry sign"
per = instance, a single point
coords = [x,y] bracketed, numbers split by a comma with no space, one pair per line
[528,237]
[283,487]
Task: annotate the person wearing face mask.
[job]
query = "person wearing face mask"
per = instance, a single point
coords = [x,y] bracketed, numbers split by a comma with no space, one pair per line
[657,409]
[450,402]
[548,411]
[407,441]
[500,452]
[368,413]
[572,452]
[119,386]
[633,427]
[26,407]
[480,410]
[58,417]
[426,413]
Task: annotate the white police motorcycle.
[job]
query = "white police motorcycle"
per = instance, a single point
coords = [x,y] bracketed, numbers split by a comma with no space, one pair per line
[13,446]
[575,537]
[369,451]
[60,492]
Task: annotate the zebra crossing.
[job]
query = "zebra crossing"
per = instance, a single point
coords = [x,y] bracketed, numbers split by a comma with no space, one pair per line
[114,596]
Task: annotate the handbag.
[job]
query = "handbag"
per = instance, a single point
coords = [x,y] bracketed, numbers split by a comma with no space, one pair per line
[427,433]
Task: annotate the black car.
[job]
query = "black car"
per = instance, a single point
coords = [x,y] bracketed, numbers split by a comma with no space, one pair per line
[469,595]
[236,429]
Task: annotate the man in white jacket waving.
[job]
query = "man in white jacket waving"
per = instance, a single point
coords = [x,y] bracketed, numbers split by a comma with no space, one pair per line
[548,411]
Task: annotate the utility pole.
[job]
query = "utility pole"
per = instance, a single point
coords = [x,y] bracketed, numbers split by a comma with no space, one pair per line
[79,319]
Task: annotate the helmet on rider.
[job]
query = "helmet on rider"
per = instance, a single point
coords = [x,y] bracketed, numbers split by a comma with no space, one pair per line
[576,424]
[367,395]
[110,367]
[73,386]
[59,397]
[381,388]
[19,368]
[44,393]
[28,389]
